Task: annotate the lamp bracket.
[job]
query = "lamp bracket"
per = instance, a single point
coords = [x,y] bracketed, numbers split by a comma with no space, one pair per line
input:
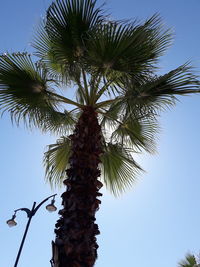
[28,212]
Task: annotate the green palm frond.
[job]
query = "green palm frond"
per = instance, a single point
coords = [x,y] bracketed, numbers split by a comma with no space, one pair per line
[136,129]
[137,133]
[119,170]
[56,160]
[66,72]
[128,48]
[44,50]
[60,122]
[64,33]
[189,261]
[25,94]
[110,114]
[156,93]
[180,81]
[23,87]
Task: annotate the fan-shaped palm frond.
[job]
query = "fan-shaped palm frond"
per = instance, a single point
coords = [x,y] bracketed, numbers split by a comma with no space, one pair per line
[130,129]
[44,51]
[119,170]
[60,122]
[67,72]
[189,261]
[128,48]
[155,92]
[65,31]
[26,94]
[137,133]
[56,160]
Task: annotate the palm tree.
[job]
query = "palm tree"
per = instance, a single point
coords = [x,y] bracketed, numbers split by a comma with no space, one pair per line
[189,261]
[110,67]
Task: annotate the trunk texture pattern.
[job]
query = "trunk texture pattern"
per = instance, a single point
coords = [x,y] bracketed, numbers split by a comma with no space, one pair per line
[76,231]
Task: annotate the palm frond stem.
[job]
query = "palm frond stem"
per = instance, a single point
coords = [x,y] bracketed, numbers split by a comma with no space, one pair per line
[86,87]
[94,87]
[66,100]
[104,88]
[107,102]
[109,117]
[81,88]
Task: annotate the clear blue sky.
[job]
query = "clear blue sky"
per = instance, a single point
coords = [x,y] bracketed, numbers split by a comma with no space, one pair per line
[156,222]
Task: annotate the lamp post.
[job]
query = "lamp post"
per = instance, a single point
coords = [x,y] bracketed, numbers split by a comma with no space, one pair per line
[30,213]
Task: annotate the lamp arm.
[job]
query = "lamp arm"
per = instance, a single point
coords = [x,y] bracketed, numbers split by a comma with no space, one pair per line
[28,212]
[41,203]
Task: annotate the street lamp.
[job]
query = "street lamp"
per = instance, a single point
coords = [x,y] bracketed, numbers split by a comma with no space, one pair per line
[12,221]
[51,207]
[30,213]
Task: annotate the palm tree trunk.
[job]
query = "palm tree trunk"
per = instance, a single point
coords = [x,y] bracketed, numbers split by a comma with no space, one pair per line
[76,230]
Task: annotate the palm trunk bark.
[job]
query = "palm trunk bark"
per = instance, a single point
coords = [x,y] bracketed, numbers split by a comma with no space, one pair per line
[76,231]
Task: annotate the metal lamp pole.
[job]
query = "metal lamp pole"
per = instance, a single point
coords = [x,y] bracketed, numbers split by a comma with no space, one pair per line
[30,214]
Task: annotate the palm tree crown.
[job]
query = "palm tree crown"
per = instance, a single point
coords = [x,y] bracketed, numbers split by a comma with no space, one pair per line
[111,65]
